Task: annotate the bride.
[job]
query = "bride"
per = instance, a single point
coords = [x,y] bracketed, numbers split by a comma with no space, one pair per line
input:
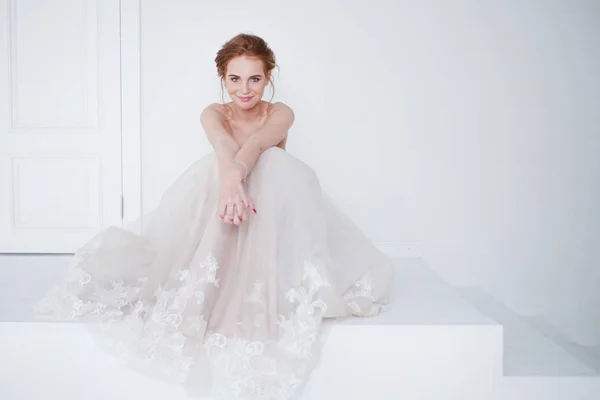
[226,286]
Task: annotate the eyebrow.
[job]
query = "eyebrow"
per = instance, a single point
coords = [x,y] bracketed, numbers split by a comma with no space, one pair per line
[253,76]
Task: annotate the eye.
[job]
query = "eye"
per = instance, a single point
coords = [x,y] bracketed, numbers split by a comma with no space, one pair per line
[234,79]
[255,79]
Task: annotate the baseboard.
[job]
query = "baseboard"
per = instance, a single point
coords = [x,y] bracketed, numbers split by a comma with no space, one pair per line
[400,249]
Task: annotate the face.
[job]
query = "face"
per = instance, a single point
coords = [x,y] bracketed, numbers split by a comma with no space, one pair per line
[245,81]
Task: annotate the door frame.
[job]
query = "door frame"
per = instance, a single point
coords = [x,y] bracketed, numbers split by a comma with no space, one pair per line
[131,154]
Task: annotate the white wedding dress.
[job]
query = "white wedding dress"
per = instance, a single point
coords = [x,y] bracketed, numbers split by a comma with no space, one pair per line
[230,311]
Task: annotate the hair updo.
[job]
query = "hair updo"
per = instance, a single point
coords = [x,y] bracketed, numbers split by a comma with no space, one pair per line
[250,46]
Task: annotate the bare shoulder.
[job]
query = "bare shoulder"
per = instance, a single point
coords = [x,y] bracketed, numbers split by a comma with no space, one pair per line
[280,106]
[282,110]
[213,107]
[214,111]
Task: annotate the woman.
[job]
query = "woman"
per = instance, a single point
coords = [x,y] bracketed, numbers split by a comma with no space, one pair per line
[226,288]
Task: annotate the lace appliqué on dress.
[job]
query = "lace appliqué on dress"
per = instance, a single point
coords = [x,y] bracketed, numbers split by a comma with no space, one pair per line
[275,368]
[158,337]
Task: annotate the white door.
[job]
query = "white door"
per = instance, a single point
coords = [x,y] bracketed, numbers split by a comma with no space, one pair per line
[60,123]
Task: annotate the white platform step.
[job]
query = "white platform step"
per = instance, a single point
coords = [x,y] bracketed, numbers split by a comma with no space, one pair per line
[527,352]
[538,363]
[430,345]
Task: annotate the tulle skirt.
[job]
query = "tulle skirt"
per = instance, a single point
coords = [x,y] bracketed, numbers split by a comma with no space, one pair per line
[234,312]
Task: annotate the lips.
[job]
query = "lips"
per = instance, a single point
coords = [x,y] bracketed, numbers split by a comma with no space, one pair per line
[245,99]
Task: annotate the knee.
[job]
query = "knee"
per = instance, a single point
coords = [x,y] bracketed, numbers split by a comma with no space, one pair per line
[272,153]
[273,149]
[275,160]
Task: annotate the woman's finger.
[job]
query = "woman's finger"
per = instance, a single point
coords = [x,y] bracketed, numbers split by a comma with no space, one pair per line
[251,205]
[230,213]
[236,217]
[243,197]
[248,205]
[239,206]
[244,214]
[221,208]
[247,202]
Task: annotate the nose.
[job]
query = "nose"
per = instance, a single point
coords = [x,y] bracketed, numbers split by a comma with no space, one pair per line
[245,88]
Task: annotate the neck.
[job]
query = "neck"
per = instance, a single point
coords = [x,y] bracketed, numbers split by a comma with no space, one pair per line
[247,115]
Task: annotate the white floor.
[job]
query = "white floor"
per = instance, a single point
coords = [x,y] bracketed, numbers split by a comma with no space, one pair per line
[436,342]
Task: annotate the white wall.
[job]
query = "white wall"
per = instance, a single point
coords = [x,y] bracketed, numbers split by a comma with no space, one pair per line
[471,127]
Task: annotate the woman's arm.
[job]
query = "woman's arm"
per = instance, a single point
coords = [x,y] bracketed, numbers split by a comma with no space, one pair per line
[233,200]
[271,134]
[212,120]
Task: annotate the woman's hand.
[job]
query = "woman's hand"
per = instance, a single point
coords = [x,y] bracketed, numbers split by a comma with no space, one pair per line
[234,203]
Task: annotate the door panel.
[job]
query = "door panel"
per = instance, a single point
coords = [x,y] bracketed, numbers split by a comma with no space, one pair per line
[60,123]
